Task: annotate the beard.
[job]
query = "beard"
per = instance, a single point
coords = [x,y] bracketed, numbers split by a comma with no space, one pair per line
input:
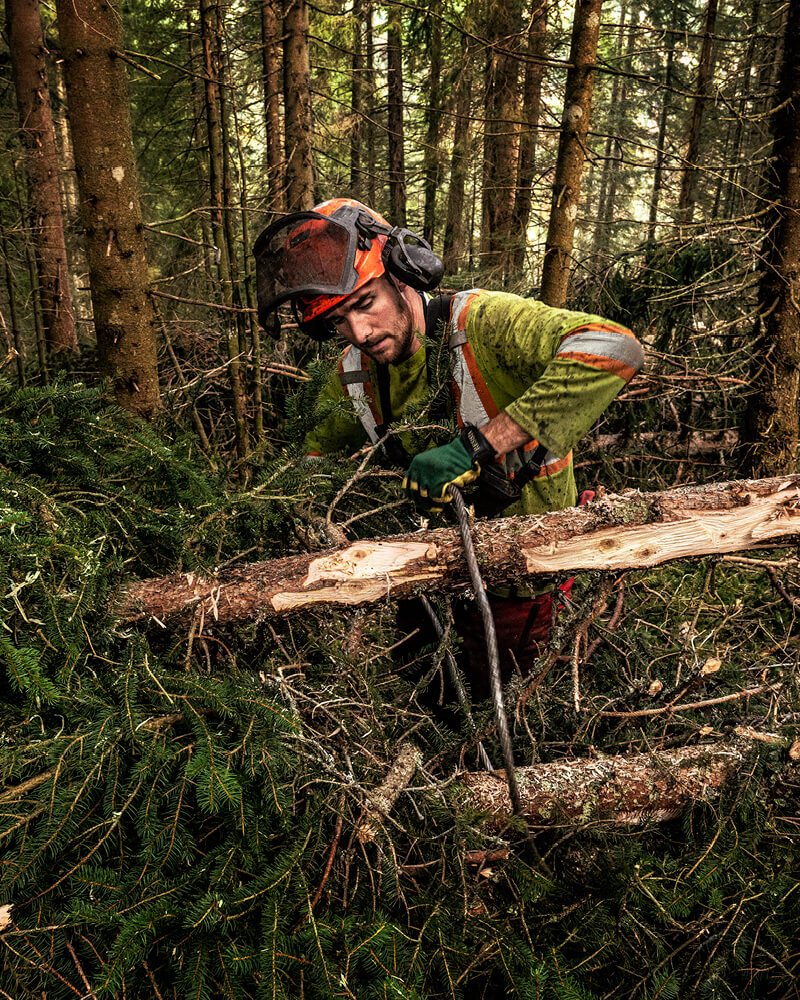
[393,344]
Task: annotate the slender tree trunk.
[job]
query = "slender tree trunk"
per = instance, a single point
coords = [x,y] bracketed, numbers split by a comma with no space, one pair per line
[297,105]
[271,69]
[736,151]
[459,166]
[33,279]
[571,147]
[357,104]
[499,144]
[658,170]
[613,147]
[97,88]
[29,70]
[434,117]
[526,163]
[688,189]
[219,209]
[196,66]
[397,161]
[369,98]
[618,129]
[13,312]
[772,413]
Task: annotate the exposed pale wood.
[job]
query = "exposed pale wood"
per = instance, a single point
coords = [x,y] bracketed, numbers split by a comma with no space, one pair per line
[626,790]
[382,799]
[614,532]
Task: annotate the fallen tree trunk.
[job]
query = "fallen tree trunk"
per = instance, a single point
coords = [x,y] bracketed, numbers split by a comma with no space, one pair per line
[671,443]
[628,790]
[615,532]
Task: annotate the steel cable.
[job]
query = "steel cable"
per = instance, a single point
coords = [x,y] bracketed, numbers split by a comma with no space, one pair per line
[501,720]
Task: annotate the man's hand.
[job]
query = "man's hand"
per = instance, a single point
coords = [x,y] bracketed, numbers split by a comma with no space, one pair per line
[457,463]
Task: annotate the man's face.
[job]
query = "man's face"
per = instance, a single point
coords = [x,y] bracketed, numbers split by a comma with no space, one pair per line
[377,319]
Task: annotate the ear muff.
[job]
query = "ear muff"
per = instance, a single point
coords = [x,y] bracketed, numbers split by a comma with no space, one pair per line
[414,264]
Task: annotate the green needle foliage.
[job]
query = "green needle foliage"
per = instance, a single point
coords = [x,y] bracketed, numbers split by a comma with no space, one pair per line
[180,806]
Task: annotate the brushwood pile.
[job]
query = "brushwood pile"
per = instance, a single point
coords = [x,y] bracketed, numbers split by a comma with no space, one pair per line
[182,808]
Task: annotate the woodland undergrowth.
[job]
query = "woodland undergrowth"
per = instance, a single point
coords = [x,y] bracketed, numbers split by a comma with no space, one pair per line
[180,809]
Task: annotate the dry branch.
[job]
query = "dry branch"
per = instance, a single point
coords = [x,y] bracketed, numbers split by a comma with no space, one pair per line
[631,790]
[625,531]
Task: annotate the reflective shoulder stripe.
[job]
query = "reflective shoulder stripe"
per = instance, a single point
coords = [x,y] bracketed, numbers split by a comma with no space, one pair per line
[474,403]
[605,346]
[354,376]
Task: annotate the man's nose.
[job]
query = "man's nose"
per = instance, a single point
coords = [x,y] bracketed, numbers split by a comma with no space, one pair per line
[360,328]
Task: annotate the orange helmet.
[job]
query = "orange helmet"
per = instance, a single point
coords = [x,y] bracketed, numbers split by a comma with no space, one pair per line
[320,257]
[368,262]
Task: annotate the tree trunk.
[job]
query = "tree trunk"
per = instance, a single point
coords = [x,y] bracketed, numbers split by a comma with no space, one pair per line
[526,162]
[499,144]
[356,104]
[613,150]
[772,412]
[369,99]
[397,162]
[271,69]
[220,209]
[571,147]
[735,159]
[688,189]
[13,313]
[97,87]
[434,116]
[631,530]
[658,170]
[29,71]
[648,787]
[297,105]
[454,249]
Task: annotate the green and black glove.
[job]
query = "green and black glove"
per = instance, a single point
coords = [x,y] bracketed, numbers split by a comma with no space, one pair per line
[457,463]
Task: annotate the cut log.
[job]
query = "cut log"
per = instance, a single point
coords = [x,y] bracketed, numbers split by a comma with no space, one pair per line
[696,444]
[653,786]
[615,532]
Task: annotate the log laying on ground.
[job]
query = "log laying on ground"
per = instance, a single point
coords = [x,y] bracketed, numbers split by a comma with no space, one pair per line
[614,532]
[647,787]
[695,444]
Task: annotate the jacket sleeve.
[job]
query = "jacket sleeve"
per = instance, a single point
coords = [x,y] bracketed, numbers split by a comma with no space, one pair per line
[556,370]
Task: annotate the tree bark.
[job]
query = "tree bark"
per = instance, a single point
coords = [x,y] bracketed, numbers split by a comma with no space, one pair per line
[571,153]
[271,69]
[357,104]
[616,532]
[772,412]
[531,108]
[29,70]
[433,117]
[459,166]
[646,787]
[221,211]
[688,190]
[397,162]
[658,169]
[499,144]
[369,101]
[97,88]
[297,108]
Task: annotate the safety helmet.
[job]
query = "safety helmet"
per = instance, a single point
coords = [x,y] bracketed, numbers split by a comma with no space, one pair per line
[318,258]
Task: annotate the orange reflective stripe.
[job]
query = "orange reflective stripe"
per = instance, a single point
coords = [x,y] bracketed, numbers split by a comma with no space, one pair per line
[478,381]
[611,365]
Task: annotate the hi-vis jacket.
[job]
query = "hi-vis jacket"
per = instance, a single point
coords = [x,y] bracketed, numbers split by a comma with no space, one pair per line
[551,370]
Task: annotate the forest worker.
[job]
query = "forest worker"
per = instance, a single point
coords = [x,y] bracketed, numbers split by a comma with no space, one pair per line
[526,381]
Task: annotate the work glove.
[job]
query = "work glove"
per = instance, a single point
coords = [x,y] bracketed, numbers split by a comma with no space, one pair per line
[455,464]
